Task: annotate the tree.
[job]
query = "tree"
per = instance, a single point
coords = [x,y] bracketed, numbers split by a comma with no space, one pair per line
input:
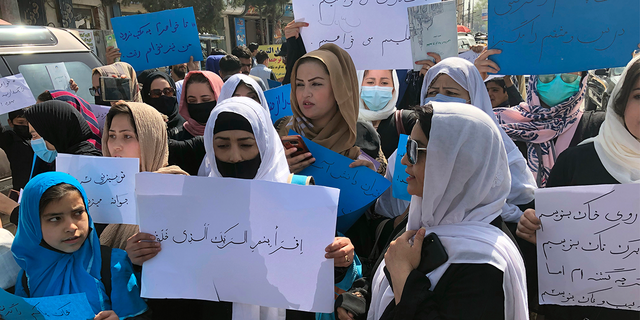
[478,23]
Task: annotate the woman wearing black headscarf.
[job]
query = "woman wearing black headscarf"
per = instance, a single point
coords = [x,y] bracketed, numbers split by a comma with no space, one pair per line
[159,91]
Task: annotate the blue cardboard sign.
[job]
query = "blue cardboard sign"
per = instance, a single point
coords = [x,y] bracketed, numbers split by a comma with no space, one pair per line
[399,184]
[273,84]
[63,307]
[545,37]
[359,187]
[279,101]
[158,39]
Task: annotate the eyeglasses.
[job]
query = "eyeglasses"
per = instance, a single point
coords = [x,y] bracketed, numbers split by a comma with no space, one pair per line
[412,151]
[95,91]
[156,93]
[566,77]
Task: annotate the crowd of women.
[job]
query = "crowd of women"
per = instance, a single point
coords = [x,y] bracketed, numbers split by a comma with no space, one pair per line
[473,170]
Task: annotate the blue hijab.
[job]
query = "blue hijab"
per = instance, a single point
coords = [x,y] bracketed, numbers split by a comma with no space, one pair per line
[213,63]
[51,272]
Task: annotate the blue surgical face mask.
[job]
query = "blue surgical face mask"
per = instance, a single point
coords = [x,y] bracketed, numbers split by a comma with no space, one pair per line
[557,91]
[40,149]
[442,98]
[376,98]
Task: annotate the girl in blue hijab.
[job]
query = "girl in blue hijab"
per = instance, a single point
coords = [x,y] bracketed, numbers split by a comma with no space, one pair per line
[59,252]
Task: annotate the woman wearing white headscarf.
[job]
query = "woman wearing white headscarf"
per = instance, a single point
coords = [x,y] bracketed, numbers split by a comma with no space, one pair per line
[465,74]
[459,180]
[612,157]
[241,85]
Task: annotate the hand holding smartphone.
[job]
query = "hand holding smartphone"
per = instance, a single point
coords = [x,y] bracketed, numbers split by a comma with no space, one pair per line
[295,142]
[115,89]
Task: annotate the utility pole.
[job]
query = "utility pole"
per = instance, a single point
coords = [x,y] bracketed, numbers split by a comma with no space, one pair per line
[469,14]
[471,26]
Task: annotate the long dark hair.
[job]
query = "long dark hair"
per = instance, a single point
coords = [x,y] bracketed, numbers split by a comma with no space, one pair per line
[620,102]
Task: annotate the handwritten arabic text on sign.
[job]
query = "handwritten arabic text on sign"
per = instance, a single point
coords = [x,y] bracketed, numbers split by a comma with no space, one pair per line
[158,39]
[279,101]
[543,37]
[109,184]
[275,62]
[589,246]
[62,307]
[14,94]
[234,234]
[433,29]
[375,33]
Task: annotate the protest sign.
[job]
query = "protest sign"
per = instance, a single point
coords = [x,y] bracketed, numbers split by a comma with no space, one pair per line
[589,246]
[275,62]
[546,37]
[14,94]
[233,234]
[63,307]
[59,76]
[158,39]
[433,29]
[109,184]
[101,114]
[399,184]
[375,33]
[279,101]
[89,39]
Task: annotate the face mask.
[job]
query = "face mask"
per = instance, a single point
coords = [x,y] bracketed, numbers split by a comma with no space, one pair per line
[22,131]
[40,149]
[557,91]
[242,170]
[443,98]
[165,105]
[376,98]
[100,102]
[200,111]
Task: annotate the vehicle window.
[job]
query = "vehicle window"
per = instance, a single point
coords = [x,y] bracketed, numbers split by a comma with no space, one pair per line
[617,71]
[39,79]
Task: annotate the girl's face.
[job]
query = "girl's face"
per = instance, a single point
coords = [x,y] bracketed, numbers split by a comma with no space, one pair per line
[123,142]
[632,111]
[242,90]
[445,85]
[199,92]
[415,181]
[235,146]
[65,223]
[314,93]
[380,78]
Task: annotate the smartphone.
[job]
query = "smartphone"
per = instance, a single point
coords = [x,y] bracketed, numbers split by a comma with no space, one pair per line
[295,142]
[433,254]
[115,89]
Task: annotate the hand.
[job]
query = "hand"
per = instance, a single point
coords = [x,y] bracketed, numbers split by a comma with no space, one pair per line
[362,163]
[341,251]
[528,225]
[73,86]
[193,65]
[484,65]
[141,247]
[112,54]
[478,48]
[402,257]
[343,314]
[427,64]
[106,315]
[507,81]
[292,29]
[300,162]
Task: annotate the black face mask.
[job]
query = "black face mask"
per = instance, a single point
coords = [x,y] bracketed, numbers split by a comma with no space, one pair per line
[242,170]
[200,111]
[165,105]
[22,131]
[100,102]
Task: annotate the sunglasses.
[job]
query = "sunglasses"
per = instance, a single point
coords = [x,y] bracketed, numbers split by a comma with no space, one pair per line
[566,77]
[95,91]
[412,151]
[156,93]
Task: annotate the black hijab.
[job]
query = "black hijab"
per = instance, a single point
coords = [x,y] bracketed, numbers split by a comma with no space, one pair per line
[62,125]
[165,105]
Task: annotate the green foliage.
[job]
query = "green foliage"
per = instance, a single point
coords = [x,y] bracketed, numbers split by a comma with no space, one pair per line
[207,12]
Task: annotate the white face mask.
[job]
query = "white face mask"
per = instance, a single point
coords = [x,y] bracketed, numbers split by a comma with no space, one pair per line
[40,149]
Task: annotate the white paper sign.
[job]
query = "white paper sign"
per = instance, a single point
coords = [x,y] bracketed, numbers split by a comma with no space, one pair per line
[375,33]
[59,76]
[14,94]
[101,114]
[589,246]
[469,55]
[248,241]
[433,29]
[109,184]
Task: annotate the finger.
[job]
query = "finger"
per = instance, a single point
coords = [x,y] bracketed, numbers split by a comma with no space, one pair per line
[435,56]
[426,62]
[417,241]
[297,25]
[191,59]
[531,215]
[288,152]
[487,53]
[142,245]
[351,315]
[408,235]
[524,229]
[336,244]
[300,158]
[141,236]
[529,224]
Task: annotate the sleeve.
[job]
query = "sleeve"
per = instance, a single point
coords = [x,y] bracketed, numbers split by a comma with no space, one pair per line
[9,269]
[182,153]
[514,96]
[125,293]
[295,51]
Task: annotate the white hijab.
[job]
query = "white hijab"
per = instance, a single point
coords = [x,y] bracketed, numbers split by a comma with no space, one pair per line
[273,167]
[466,182]
[368,115]
[229,88]
[465,74]
[618,150]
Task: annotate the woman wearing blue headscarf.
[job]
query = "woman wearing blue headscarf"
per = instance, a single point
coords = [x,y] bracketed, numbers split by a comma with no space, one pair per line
[59,253]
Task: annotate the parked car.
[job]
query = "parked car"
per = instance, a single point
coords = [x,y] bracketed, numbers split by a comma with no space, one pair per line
[465,41]
[600,86]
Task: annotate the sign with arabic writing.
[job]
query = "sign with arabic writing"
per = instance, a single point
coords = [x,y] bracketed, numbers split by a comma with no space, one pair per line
[399,184]
[220,236]
[589,246]
[275,62]
[14,94]
[279,101]
[543,37]
[62,307]
[109,183]
[433,29]
[158,39]
[375,33]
